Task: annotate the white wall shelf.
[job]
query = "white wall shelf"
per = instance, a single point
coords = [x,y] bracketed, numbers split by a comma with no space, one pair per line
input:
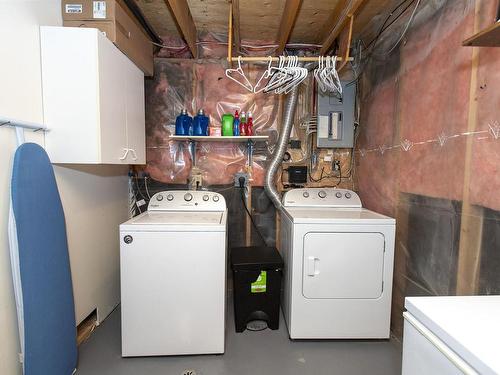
[249,140]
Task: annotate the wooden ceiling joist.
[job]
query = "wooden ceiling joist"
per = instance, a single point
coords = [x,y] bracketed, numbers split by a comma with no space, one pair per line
[339,25]
[182,16]
[290,12]
[236,25]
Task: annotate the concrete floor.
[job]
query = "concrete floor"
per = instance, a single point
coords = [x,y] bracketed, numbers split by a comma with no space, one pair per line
[265,352]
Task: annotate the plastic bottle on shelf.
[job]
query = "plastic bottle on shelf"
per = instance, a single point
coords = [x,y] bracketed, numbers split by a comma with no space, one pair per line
[227,125]
[200,124]
[243,125]
[183,124]
[236,124]
[249,125]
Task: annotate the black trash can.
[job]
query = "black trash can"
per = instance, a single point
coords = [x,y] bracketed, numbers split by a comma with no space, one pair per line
[257,272]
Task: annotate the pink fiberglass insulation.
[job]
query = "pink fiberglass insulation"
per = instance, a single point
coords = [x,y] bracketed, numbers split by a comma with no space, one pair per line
[416,122]
[194,85]
[485,171]
[377,173]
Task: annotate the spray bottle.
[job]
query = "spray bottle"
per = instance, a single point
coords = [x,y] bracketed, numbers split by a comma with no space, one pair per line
[243,124]
[249,125]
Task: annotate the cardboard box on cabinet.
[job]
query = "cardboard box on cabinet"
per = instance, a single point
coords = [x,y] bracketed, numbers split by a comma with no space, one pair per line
[115,20]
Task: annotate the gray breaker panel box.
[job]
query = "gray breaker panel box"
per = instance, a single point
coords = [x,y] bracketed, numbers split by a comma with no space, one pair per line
[336,118]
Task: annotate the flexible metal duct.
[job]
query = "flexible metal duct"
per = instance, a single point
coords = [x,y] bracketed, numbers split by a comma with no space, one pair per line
[280,149]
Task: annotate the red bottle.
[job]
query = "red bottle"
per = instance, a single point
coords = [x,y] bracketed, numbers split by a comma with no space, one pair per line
[249,124]
[243,125]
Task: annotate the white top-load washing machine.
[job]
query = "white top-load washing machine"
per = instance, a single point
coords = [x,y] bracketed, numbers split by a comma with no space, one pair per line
[338,266]
[173,275]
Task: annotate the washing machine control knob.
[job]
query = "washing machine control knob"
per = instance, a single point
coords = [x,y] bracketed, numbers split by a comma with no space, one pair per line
[188,197]
[170,197]
[338,194]
[216,198]
[305,194]
[206,197]
[348,195]
[159,197]
[322,194]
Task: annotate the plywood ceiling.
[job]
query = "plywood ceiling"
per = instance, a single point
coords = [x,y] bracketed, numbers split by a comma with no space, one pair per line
[158,15]
[311,20]
[260,19]
[210,15]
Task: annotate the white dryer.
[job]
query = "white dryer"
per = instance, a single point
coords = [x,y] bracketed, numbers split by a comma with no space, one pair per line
[173,276]
[338,266]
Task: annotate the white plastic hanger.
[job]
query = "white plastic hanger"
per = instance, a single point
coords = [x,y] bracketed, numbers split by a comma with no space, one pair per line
[239,71]
[280,74]
[266,75]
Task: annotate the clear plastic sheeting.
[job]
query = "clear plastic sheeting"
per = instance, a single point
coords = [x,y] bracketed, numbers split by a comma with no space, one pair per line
[428,154]
[202,84]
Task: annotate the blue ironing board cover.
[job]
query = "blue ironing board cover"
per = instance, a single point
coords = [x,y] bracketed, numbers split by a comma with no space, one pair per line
[47,292]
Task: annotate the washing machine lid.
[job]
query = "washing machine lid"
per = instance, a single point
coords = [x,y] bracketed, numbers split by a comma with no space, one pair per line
[469,325]
[177,221]
[327,215]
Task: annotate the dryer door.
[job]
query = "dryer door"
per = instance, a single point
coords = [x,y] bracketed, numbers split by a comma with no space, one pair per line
[343,265]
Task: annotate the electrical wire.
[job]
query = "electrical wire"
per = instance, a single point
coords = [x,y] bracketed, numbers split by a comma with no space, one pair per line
[146,186]
[382,29]
[252,46]
[405,29]
[251,218]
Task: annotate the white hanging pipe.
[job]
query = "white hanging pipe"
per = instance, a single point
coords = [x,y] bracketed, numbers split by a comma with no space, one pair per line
[20,126]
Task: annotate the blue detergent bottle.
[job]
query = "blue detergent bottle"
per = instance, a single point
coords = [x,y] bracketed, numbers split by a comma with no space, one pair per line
[183,124]
[236,124]
[200,124]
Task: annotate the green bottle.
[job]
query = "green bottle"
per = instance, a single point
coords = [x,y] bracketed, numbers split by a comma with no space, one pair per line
[227,124]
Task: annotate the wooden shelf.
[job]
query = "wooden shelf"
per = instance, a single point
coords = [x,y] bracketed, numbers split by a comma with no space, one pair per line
[255,138]
[489,37]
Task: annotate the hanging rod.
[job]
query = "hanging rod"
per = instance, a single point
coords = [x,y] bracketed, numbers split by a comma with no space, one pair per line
[6,121]
[275,59]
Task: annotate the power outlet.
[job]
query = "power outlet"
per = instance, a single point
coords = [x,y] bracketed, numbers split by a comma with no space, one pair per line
[237,179]
[195,182]
[336,168]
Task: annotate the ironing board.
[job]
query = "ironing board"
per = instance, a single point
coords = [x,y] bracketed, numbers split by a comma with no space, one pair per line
[40,265]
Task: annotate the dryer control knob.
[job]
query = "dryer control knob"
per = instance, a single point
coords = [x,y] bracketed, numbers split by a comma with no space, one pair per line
[206,197]
[170,197]
[216,198]
[305,194]
[159,197]
[338,194]
[322,194]
[348,195]
[188,197]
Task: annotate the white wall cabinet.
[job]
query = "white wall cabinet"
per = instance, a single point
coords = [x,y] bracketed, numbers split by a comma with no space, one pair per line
[93,99]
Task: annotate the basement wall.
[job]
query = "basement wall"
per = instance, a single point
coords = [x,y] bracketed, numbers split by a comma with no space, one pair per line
[428,154]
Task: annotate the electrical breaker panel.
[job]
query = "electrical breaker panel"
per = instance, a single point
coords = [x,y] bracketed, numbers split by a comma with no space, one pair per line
[336,118]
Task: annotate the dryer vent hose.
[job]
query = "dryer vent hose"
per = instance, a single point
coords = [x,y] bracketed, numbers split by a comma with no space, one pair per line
[281,146]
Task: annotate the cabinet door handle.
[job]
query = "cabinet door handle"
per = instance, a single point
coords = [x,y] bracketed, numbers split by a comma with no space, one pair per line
[125,153]
[134,155]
